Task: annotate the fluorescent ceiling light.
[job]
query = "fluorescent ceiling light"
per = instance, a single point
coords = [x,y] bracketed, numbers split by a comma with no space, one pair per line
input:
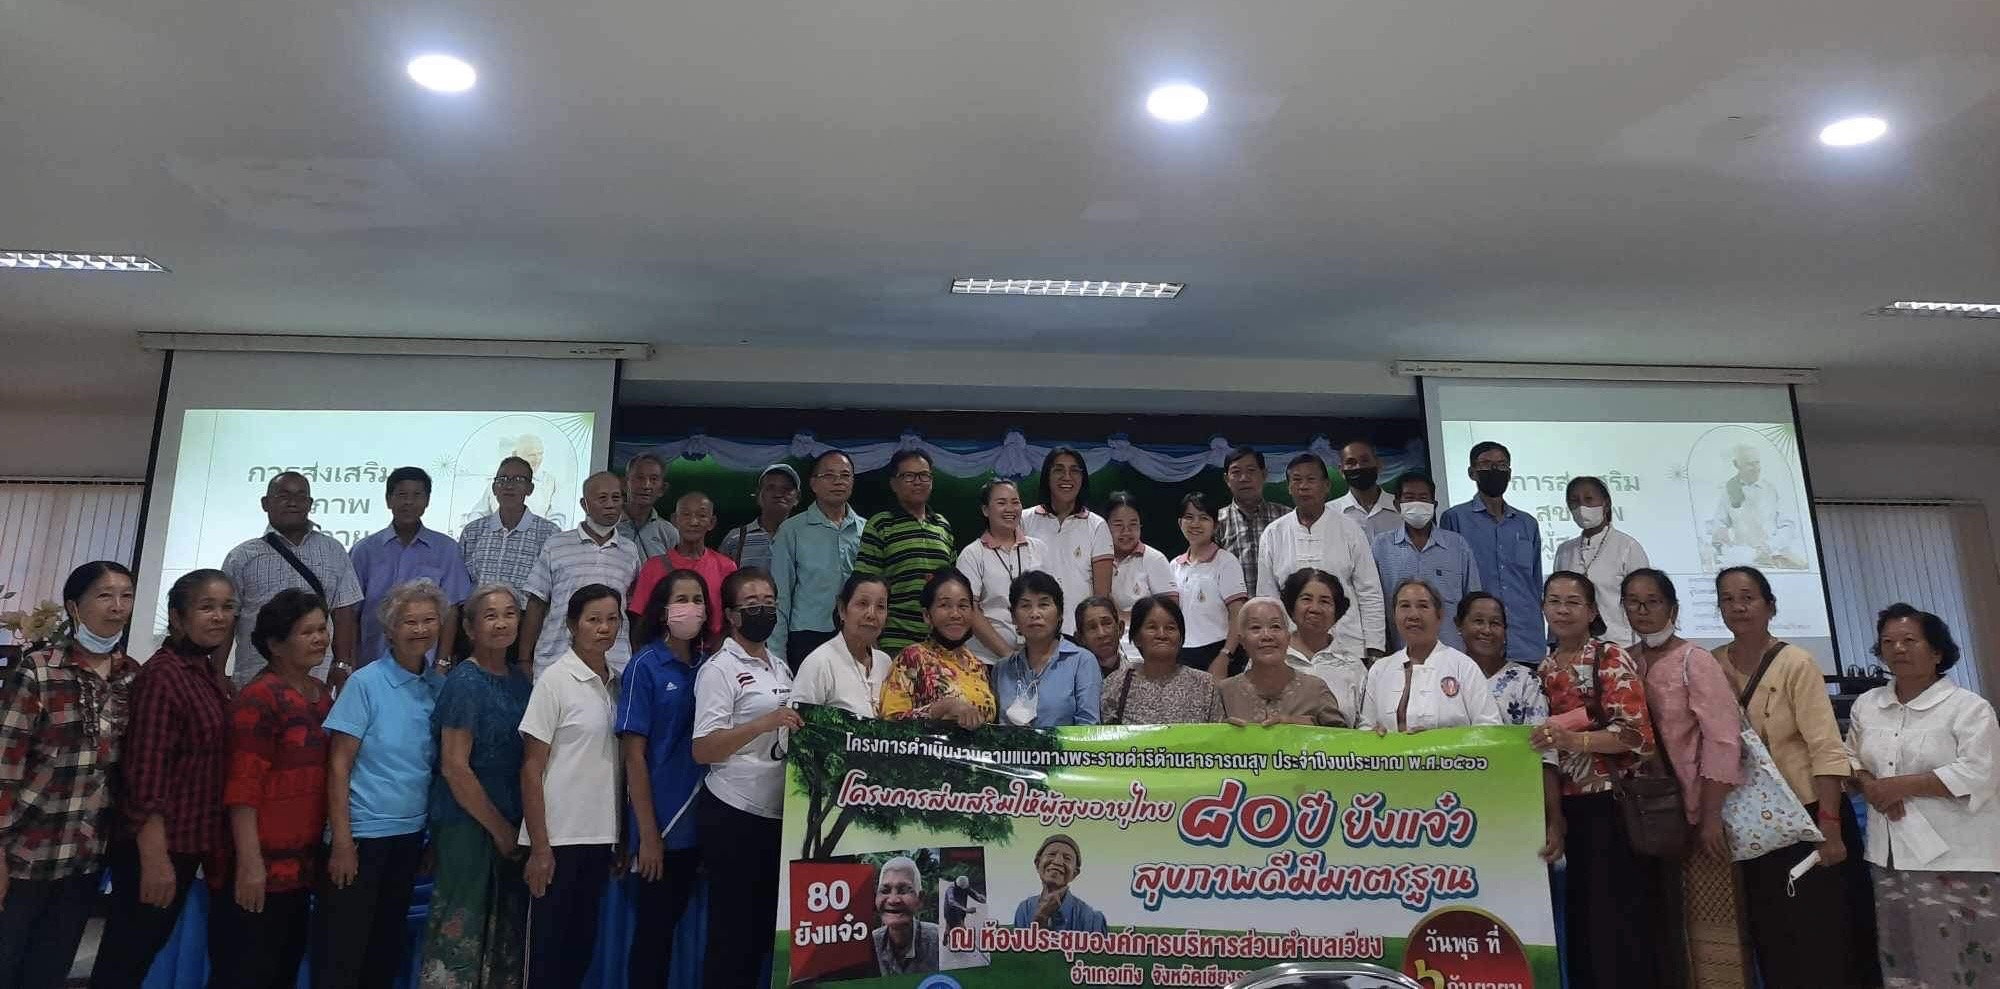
[1852,131]
[1177,103]
[1076,287]
[1984,309]
[64,260]
[442,73]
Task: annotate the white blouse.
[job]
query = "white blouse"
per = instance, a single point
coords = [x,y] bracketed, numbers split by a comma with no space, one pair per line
[991,571]
[1346,676]
[831,676]
[1447,690]
[1606,559]
[1946,730]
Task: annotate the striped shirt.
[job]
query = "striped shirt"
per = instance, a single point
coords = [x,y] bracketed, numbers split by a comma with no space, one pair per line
[1238,532]
[749,545]
[570,561]
[259,573]
[495,554]
[61,726]
[904,550]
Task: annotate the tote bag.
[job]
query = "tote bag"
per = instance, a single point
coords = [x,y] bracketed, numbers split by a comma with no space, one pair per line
[1763,814]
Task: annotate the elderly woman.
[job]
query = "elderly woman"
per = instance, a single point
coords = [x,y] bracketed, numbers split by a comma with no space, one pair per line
[377,796]
[479,907]
[1781,688]
[1159,689]
[176,762]
[63,712]
[1927,749]
[1602,552]
[1612,941]
[1426,684]
[1101,630]
[990,565]
[1050,681]
[1210,581]
[847,672]
[1316,601]
[741,697]
[261,889]
[569,791]
[938,678]
[1270,692]
[1698,726]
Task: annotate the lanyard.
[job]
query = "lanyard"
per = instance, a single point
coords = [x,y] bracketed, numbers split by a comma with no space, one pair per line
[1016,570]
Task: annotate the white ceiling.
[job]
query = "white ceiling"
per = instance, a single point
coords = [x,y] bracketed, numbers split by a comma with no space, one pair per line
[1520,179]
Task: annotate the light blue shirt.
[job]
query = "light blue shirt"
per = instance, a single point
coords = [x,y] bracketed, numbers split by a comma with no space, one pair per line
[810,559]
[1073,915]
[389,709]
[382,562]
[1509,553]
[1067,693]
[1445,563]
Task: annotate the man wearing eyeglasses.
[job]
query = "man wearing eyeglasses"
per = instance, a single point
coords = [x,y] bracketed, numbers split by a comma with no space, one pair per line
[904,546]
[501,548]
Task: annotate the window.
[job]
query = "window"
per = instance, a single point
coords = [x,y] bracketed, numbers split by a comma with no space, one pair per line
[1935,555]
[48,528]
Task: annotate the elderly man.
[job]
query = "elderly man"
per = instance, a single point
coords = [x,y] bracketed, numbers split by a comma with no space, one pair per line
[1420,549]
[1365,502]
[1753,522]
[904,943]
[595,552]
[1242,524]
[749,544]
[406,551]
[501,548]
[812,557]
[1313,536]
[291,553]
[645,485]
[1057,864]
[960,900]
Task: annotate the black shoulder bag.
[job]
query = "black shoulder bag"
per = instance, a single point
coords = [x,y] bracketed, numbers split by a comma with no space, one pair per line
[1649,805]
[277,542]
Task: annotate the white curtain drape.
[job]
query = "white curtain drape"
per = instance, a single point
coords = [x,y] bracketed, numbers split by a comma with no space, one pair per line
[47,530]
[1926,554]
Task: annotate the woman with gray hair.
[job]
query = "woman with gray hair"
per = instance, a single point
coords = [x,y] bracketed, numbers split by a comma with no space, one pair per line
[1270,692]
[1426,684]
[377,794]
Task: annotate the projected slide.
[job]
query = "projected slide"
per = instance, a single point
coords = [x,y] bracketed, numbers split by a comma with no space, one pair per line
[228,456]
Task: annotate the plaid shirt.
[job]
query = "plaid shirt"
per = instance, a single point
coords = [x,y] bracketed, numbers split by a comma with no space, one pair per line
[60,727]
[495,554]
[178,751]
[1238,533]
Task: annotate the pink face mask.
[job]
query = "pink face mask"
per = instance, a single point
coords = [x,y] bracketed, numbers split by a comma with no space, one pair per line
[684,620]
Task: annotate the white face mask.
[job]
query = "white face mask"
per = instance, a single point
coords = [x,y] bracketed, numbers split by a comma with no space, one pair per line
[1655,640]
[1588,516]
[1417,514]
[1022,711]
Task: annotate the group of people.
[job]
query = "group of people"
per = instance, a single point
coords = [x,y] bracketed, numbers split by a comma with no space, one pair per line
[542,710]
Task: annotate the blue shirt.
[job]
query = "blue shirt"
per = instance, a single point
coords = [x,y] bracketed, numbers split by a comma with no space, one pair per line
[810,559]
[381,561]
[1067,693]
[489,707]
[1509,553]
[389,709]
[1073,915]
[658,705]
[1445,563]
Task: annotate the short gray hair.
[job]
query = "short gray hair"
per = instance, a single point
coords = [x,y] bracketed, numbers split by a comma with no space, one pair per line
[1266,599]
[481,593]
[390,613]
[902,863]
[1437,600]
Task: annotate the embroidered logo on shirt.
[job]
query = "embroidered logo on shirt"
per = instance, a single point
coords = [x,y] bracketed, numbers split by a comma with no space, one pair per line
[1449,685]
[745,679]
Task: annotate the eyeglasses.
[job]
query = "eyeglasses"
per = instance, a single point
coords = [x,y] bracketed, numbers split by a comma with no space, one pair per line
[1242,473]
[914,477]
[1648,605]
[513,481]
[827,475]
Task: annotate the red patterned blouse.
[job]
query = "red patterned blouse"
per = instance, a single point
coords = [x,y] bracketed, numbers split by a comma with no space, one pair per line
[1622,697]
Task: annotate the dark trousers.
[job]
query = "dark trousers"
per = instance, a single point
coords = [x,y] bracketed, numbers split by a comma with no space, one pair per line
[739,851]
[800,644]
[133,931]
[1613,902]
[1199,657]
[360,939]
[257,950]
[41,924]
[657,908]
[562,924]
[1824,936]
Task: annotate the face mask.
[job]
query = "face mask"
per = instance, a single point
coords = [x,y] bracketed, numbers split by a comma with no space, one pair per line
[1360,477]
[1418,514]
[1493,482]
[1022,711]
[754,624]
[684,620]
[1588,517]
[91,641]
[601,532]
[939,638]
[1655,640]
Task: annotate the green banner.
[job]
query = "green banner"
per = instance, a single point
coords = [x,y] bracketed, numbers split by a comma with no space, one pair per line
[1180,855]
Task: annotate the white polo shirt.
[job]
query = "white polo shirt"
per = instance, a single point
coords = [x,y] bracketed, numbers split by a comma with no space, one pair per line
[992,568]
[1374,521]
[831,676]
[1447,690]
[1333,543]
[574,713]
[1606,558]
[1207,587]
[733,689]
[1142,573]
[1073,545]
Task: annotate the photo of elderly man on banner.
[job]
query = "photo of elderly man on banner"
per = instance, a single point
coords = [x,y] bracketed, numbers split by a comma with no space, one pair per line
[1213,850]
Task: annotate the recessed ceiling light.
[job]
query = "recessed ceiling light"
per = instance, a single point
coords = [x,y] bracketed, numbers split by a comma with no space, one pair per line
[1989,310]
[1074,287]
[1177,103]
[1852,131]
[442,73]
[66,261]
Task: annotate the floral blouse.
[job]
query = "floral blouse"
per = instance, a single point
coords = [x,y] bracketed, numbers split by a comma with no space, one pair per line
[926,672]
[1187,697]
[1620,694]
[1519,695]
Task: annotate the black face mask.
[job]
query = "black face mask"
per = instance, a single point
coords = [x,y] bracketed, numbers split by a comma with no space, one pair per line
[1493,481]
[1360,477]
[939,638]
[755,624]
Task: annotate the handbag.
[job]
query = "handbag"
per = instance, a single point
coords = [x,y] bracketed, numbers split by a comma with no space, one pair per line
[1762,814]
[1649,804]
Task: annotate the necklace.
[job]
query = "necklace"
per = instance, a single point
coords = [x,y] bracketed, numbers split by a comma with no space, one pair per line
[1590,559]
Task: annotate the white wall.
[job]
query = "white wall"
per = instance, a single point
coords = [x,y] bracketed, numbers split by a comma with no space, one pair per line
[37,443]
[1870,468]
